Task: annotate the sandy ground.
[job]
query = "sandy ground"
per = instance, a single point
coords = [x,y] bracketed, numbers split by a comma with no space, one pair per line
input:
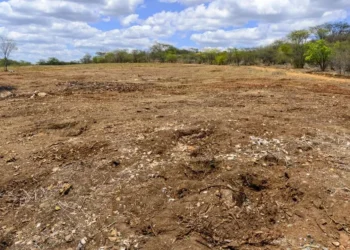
[173,157]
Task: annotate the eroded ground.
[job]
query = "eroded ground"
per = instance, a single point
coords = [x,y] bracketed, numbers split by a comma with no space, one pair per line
[173,157]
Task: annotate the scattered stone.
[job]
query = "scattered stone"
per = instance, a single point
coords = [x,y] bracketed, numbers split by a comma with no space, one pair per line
[270,158]
[82,243]
[336,243]
[5,94]
[68,238]
[299,214]
[113,239]
[231,157]
[113,233]
[42,94]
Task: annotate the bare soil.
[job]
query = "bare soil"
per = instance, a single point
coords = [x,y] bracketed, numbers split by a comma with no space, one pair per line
[173,157]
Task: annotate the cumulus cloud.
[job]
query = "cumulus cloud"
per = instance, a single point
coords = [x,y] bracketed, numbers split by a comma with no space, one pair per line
[66,28]
[130,19]
[185,2]
[263,34]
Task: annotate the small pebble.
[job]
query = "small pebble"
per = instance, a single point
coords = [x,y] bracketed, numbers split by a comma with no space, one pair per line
[336,243]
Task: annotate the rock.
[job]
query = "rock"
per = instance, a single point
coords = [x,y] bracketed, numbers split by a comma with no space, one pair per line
[232,245]
[42,94]
[299,214]
[336,243]
[227,197]
[271,159]
[68,238]
[54,170]
[83,241]
[5,94]
[113,239]
[36,238]
[45,205]
[113,233]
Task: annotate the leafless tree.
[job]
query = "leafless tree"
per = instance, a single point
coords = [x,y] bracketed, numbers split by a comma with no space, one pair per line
[6,47]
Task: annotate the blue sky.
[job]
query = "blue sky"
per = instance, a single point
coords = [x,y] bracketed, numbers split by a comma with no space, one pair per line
[67,29]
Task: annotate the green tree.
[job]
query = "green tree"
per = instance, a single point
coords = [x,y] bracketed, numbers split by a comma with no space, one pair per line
[110,57]
[221,58]
[298,40]
[318,53]
[171,58]
[208,56]
[86,59]
[249,56]
[234,56]
[53,61]
[341,56]
[158,51]
[320,32]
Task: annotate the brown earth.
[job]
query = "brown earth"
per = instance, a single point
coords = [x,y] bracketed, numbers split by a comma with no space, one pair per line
[173,157]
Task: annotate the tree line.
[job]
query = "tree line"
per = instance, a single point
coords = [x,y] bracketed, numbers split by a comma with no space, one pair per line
[325,46]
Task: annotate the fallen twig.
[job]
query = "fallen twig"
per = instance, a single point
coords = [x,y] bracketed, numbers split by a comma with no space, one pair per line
[324,231]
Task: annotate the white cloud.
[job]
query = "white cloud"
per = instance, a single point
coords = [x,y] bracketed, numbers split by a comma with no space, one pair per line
[263,34]
[64,28]
[130,19]
[185,2]
[120,7]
